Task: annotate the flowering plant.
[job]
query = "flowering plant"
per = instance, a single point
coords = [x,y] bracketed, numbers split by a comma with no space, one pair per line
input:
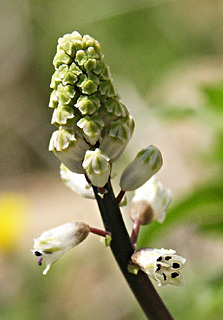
[93,130]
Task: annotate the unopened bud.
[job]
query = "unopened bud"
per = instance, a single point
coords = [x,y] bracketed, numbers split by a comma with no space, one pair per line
[147,163]
[97,167]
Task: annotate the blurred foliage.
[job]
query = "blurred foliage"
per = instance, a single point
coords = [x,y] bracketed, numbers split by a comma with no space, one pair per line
[202,208]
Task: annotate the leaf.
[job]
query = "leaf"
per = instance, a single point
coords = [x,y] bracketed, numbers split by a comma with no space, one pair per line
[214,95]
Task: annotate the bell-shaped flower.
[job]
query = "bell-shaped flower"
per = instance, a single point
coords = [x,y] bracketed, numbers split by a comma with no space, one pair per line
[160,264]
[52,244]
[97,167]
[76,182]
[146,163]
[150,202]
[69,148]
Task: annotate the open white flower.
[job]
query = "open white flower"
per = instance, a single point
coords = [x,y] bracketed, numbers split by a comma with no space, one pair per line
[160,264]
[52,244]
[76,182]
[150,202]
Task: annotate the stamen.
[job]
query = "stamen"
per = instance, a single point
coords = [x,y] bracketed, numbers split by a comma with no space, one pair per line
[158,267]
[164,276]
[48,252]
[176,265]
[167,258]
[37,254]
[159,259]
[40,261]
[174,275]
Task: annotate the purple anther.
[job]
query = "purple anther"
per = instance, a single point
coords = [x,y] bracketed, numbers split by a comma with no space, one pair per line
[40,261]
[37,253]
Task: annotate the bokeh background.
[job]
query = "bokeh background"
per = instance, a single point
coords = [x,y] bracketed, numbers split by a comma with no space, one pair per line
[166,58]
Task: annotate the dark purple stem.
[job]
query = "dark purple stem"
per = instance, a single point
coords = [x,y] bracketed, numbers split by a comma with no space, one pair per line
[100,232]
[135,231]
[122,250]
[119,197]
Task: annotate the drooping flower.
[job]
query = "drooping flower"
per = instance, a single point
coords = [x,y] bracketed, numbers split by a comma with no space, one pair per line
[76,182]
[150,202]
[160,264]
[146,163]
[52,244]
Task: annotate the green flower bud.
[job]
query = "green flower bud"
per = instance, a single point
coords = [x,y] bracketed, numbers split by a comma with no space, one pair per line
[61,58]
[97,167]
[53,100]
[70,43]
[88,104]
[92,127]
[70,150]
[147,163]
[87,85]
[116,139]
[61,114]
[65,93]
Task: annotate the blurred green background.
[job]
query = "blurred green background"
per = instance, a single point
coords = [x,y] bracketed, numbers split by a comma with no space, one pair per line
[166,58]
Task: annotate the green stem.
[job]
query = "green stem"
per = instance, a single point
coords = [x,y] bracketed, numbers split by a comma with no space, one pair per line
[122,249]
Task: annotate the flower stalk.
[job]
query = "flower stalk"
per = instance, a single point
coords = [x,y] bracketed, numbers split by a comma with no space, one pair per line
[122,249]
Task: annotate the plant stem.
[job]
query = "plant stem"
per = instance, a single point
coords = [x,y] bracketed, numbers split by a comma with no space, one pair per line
[135,232]
[122,249]
[100,232]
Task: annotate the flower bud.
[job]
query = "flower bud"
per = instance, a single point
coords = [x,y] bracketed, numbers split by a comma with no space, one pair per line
[76,182]
[160,264]
[150,202]
[97,167]
[70,150]
[52,244]
[147,162]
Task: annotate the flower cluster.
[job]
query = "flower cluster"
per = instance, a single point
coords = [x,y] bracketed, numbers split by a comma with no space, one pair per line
[160,264]
[94,126]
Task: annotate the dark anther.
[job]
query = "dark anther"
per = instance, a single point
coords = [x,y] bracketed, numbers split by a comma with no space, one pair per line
[40,261]
[97,144]
[158,267]
[174,275]
[176,265]
[48,252]
[168,258]
[164,276]
[159,259]
[37,253]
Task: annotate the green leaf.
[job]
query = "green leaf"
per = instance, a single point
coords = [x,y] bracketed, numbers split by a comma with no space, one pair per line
[214,95]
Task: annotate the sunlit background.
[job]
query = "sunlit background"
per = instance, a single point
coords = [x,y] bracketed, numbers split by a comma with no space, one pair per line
[166,58]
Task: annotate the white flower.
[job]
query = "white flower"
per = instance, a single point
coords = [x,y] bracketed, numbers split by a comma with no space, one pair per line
[161,265]
[76,182]
[52,244]
[150,202]
[146,163]
[97,167]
